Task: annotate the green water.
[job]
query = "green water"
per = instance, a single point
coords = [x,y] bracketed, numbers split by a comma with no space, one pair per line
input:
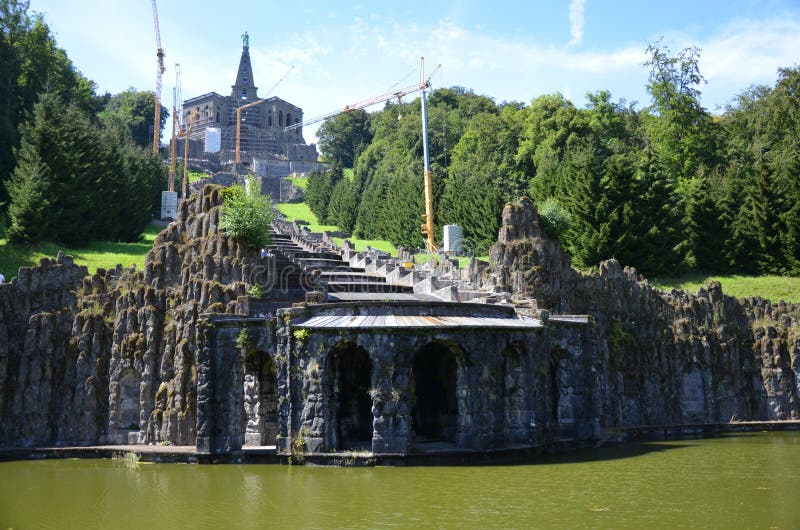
[745,481]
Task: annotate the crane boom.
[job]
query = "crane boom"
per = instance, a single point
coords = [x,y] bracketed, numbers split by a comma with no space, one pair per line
[159,72]
[386,96]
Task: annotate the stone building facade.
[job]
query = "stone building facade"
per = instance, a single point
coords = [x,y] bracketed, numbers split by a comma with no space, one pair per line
[407,377]
[263,126]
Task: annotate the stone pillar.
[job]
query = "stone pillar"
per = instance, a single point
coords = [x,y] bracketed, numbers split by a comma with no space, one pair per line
[205,387]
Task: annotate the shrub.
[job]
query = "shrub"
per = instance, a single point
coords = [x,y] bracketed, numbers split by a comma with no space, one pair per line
[556,219]
[247,214]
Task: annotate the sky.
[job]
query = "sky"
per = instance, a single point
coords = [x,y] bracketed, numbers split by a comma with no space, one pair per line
[342,52]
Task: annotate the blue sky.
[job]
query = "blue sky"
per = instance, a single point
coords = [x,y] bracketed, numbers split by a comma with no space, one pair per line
[343,52]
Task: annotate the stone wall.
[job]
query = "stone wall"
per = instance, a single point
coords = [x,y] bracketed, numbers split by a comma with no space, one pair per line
[665,358]
[113,357]
[136,356]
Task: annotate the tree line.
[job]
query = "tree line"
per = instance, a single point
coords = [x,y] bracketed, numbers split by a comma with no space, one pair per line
[665,188]
[74,165]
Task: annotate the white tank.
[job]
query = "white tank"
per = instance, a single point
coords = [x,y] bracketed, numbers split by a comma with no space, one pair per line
[169,204]
[453,239]
[213,139]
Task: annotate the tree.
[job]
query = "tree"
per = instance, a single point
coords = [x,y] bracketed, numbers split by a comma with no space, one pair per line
[134,111]
[30,64]
[683,132]
[483,176]
[344,136]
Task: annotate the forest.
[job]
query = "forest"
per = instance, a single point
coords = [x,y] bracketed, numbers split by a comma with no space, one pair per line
[666,188]
[75,165]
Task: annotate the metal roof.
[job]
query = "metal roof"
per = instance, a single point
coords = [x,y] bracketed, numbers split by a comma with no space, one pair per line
[406,322]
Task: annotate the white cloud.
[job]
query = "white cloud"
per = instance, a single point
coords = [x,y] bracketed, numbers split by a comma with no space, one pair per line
[576,21]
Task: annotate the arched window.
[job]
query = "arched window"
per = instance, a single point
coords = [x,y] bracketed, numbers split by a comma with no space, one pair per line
[244,93]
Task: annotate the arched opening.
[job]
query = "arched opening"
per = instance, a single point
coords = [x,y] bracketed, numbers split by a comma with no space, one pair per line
[434,410]
[350,401]
[129,408]
[288,118]
[270,119]
[515,410]
[260,399]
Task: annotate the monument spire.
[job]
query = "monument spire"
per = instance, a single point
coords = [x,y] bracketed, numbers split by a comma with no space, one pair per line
[245,88]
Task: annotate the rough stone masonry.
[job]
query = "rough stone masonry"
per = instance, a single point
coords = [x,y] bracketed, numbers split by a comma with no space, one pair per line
[175,353]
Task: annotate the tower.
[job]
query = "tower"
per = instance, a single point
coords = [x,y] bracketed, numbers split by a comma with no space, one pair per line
[244,89]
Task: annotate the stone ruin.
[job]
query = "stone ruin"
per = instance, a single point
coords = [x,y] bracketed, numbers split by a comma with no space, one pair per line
[346,351]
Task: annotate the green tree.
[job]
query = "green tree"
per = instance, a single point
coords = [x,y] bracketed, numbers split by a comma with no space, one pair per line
[344,136]
[133,110]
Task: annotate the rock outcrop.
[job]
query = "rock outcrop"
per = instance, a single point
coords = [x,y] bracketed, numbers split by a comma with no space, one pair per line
[666,358]
[111,358]
[114,357]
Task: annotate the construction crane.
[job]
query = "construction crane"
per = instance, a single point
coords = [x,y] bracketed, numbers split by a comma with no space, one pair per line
[424,83]
[253,104]
[386,96]
[177,125]
[159,72]
[191,119]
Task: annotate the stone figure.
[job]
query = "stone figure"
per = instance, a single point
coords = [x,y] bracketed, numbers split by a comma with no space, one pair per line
[246,41]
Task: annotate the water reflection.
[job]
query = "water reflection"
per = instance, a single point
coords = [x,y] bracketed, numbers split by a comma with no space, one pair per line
[732,481]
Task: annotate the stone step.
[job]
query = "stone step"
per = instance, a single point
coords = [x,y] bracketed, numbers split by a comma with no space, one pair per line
[366,287]
[349,276]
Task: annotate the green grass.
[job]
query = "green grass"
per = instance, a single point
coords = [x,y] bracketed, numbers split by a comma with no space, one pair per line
[96,254]
[300,182]
[772,288]
[194,176]
[301,212]
[362,244]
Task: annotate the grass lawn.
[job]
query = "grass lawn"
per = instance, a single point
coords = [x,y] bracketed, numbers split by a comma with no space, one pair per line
[301,212]
[362,244]
[773,288]
[300,182]
[102,254]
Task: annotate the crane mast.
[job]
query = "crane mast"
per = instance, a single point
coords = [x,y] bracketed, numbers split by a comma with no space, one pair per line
[187,130]
[177,126]
[423,85]
[159,72]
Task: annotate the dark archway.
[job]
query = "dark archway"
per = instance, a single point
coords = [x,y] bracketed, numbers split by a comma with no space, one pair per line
[350,400]
[515,409]
[434,410]
[260,399]
[129,401]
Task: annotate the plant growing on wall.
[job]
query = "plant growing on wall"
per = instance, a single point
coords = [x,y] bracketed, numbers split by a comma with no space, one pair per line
[247,214]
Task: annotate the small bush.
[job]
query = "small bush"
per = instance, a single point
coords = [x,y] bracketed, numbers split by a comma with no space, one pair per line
[247,214]
[556,219]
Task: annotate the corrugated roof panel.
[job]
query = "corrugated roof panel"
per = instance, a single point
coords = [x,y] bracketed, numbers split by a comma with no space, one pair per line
[418,321]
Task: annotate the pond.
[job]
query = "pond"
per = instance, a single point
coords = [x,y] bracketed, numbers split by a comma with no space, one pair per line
[736,481]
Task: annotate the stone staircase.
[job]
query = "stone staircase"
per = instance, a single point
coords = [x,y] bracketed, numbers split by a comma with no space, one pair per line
[346,275]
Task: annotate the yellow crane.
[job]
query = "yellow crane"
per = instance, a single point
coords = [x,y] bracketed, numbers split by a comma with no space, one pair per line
[247,106]
[160,54]
[423,85]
